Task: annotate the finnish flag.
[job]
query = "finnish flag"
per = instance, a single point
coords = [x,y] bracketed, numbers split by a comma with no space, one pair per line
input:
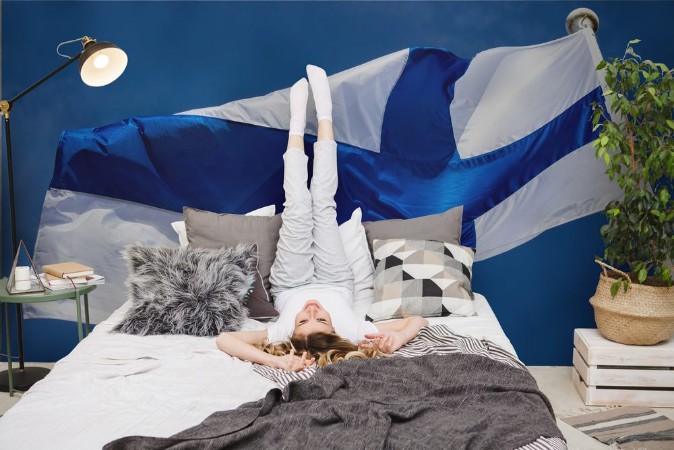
[507,134]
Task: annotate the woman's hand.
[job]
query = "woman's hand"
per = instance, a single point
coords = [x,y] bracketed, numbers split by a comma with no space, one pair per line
[396,333]
[387,341]
[294,363]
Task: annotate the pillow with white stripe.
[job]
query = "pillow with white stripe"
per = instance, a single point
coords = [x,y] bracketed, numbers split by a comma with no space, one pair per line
[421,278]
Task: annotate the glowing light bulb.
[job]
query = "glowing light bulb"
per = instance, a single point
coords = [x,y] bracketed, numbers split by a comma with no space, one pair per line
[101,61]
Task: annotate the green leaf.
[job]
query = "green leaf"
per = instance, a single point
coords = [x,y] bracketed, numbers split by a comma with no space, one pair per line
[634,41]
[601,65]
[651,91]
[664,196]
[603,141]
[607,159]
[643,273]
[614,288]
[670,123]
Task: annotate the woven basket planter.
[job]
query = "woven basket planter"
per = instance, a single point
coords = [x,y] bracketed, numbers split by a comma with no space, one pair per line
[644,315]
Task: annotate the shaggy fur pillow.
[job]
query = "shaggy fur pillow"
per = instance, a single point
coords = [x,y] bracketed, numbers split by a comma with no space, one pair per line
[194,291]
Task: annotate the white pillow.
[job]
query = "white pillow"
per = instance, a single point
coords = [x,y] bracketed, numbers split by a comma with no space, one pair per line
[179,227]
[357,252]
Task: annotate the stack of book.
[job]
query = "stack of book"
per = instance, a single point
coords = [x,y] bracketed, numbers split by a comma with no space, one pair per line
[68,275]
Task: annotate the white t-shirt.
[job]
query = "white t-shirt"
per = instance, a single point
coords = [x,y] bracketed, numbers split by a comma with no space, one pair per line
[336,300]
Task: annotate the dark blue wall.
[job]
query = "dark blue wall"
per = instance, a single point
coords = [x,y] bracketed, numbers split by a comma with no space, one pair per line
[184,55]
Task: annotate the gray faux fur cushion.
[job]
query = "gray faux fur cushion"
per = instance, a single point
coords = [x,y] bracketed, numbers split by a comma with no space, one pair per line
[194,291]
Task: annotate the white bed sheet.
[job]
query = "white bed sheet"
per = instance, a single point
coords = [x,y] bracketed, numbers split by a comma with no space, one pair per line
[113,385]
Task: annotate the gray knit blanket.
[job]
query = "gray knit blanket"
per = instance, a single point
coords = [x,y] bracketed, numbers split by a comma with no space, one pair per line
[433,401]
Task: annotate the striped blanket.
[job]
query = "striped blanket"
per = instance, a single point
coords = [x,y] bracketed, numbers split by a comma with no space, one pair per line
[456,392]
[435,339]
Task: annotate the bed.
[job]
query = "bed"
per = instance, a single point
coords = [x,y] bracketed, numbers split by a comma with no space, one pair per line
[135,183]
[151,376]
[114,385]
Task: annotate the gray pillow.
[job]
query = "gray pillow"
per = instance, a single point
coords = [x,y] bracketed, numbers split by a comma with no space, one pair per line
[194,291]
[421,278]
[443,227]
[211,230]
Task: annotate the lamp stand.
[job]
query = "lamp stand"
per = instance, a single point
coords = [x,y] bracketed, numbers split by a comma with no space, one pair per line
[23,377]
[92,74]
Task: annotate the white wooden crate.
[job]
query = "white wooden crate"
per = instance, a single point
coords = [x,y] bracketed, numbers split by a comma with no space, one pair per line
[607,373]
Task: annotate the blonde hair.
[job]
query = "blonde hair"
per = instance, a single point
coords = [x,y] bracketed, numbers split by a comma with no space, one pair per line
[325,348]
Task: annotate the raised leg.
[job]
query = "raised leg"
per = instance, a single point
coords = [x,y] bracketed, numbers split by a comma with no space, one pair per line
[294,265]
[330,262]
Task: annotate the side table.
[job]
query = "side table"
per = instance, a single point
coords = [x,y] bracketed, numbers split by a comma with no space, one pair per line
[40,297]
[608,373]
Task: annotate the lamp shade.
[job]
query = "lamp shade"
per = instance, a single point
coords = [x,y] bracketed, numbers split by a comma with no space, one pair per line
[101,63]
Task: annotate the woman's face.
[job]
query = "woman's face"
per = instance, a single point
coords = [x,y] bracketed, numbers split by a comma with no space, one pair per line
[313,319]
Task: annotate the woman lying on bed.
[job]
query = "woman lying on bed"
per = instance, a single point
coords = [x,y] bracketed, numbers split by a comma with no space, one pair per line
[311,280]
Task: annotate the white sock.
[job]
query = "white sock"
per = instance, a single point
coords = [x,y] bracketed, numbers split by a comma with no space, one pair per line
[321,90]
[299,94]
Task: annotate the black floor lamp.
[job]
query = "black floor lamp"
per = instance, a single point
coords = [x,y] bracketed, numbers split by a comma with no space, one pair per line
[101,63]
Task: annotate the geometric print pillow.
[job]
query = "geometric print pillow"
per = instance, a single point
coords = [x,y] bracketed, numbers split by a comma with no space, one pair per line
[421,278]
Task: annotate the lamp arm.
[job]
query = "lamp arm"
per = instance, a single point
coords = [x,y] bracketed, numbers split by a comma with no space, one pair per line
[6,105]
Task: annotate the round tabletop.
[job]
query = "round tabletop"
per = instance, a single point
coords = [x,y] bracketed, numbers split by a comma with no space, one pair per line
[37,297]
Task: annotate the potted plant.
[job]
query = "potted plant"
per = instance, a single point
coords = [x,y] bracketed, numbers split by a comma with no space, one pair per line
[637,143]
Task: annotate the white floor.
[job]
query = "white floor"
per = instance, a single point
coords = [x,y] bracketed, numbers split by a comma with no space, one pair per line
[6,401]
[555,382]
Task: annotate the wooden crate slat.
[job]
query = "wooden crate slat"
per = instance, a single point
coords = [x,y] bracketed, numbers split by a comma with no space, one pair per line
[598,351]
[580,386]
[581,366]
[593,396]
[622,376]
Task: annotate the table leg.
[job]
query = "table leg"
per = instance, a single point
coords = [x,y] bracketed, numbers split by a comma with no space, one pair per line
[79,316]
[86,314]
[9,352]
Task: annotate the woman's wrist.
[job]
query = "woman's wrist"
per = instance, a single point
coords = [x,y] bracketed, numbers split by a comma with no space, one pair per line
[415,325]
[422,322]
[273,361]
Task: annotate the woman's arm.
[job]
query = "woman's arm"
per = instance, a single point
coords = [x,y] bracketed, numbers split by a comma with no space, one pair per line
[396,333]
[241,344]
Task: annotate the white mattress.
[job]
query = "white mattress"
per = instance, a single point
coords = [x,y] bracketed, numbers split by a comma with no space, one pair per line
[113,385]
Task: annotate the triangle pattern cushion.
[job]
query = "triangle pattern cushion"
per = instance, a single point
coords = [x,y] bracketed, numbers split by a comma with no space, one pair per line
[421,277]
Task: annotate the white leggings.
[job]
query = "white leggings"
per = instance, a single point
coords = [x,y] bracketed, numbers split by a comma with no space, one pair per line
[310,249]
